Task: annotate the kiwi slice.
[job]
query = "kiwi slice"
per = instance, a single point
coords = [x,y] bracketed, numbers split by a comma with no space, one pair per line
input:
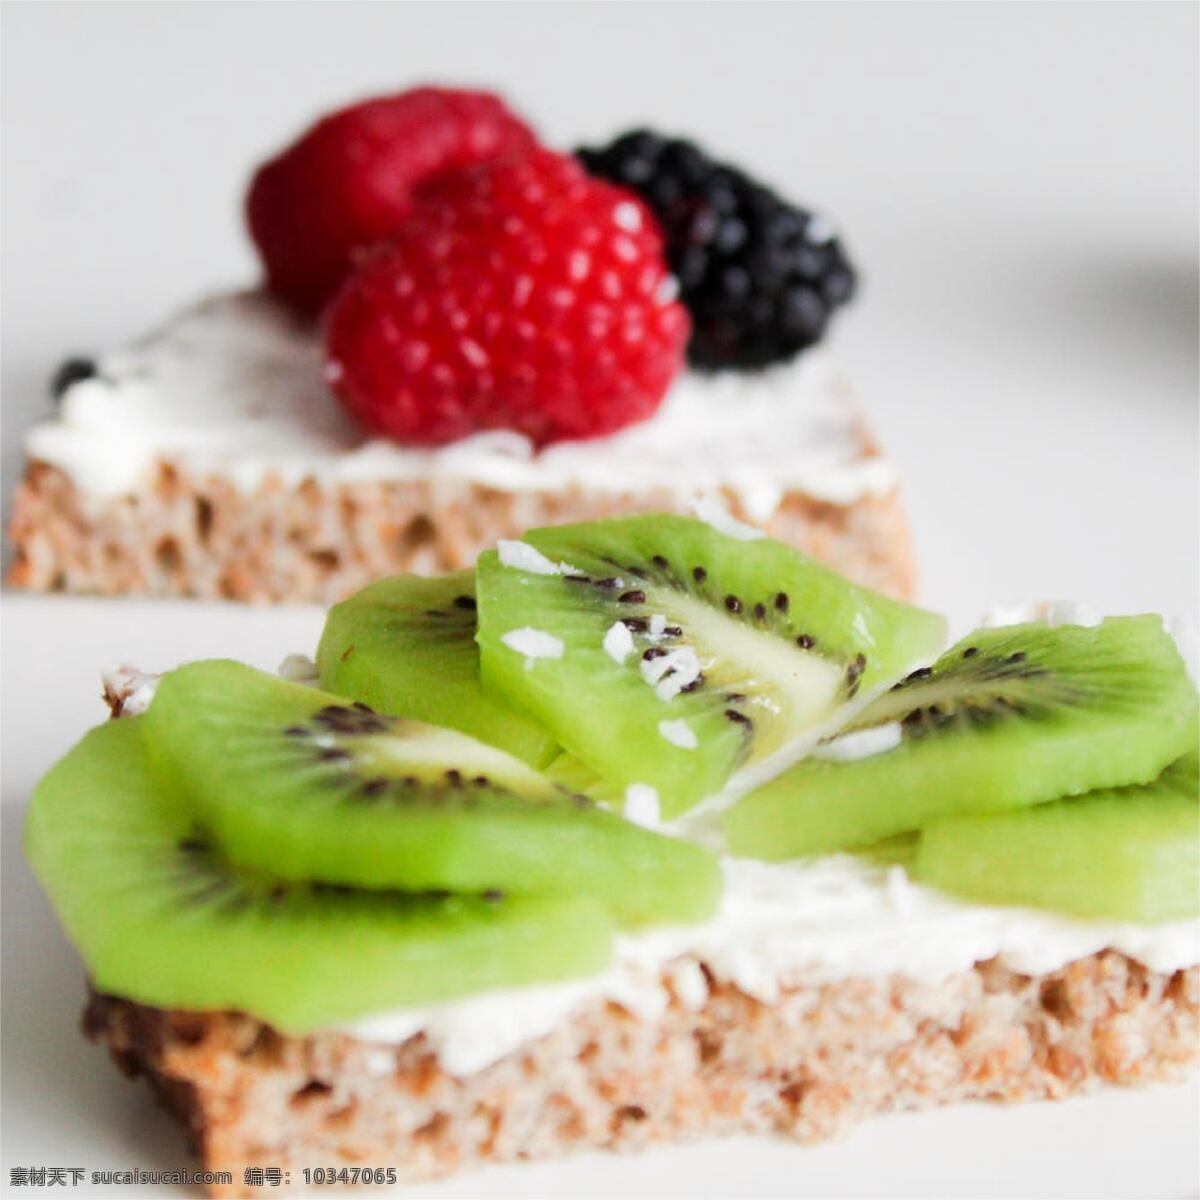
[406,645]
[897,851]
[160,917]
[295,781]
[1132,854]
[1007,718]
[663,652]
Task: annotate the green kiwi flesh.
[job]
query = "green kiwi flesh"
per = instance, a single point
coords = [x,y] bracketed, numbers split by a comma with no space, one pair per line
[159,917]
[1007,718]
[734,648]
[1129,854]
[295,781]
[406,645]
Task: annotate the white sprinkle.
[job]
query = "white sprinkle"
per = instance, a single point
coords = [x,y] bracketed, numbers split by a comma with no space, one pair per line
[862,743]
[533,643]
[128,691]
[1052,612]
[525,557]
[299,668]
[712,511]
[670,673]
[1067,612]
[641,805]
[668,290]
[653,669]
[679,733]
[618,642]
[658,624]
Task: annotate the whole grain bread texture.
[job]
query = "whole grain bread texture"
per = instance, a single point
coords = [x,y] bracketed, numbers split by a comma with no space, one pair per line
[806,1066]
[186,535]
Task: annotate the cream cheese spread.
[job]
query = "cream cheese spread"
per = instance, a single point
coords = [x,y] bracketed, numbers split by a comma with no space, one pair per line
[810,921]
[780,924]
[233,387]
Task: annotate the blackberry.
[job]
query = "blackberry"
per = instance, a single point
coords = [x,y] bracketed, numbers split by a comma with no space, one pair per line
[70,372]
[760,276]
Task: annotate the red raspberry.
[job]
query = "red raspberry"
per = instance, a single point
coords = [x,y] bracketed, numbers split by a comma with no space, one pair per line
[521,295]
[349,180]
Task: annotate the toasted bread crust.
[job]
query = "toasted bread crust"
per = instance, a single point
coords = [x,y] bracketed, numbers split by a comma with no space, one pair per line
[182,535]
[819,1058]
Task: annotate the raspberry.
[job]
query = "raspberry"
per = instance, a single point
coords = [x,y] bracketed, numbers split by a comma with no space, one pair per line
[521,295]
[350,180]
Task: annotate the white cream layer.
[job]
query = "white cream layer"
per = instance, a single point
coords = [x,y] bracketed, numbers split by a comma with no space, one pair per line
[808,921]
[802,922]
[779,924]
[233,387]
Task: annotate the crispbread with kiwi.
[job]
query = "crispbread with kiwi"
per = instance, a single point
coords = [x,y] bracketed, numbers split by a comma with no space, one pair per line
[160,917]
[1129,854]
[299,783]
[661,651]
[406,645]
[1007,718]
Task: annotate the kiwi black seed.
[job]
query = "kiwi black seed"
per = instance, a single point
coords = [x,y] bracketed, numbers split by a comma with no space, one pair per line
[382,802]
[407,645]
[161,917]
[1033,713]
[710,615]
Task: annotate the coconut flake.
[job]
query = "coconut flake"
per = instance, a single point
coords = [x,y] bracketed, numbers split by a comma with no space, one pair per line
[1052,612]
[658,625]
[618,642]
[671,672]
[533,643]
[524,557]
[641,805]
[862,743]
[128,691]
[714,513]
[679,733]
[299,668]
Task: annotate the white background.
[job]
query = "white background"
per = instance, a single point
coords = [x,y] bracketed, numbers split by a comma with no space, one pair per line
[1018,184]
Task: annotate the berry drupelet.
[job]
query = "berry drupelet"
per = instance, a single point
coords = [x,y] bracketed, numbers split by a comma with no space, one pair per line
[760,276]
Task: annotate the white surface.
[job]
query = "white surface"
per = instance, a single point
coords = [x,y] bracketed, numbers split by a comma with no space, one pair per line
[1019,185]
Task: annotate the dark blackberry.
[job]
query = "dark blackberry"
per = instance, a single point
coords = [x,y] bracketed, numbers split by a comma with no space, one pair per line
[70,372]
[760,276]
